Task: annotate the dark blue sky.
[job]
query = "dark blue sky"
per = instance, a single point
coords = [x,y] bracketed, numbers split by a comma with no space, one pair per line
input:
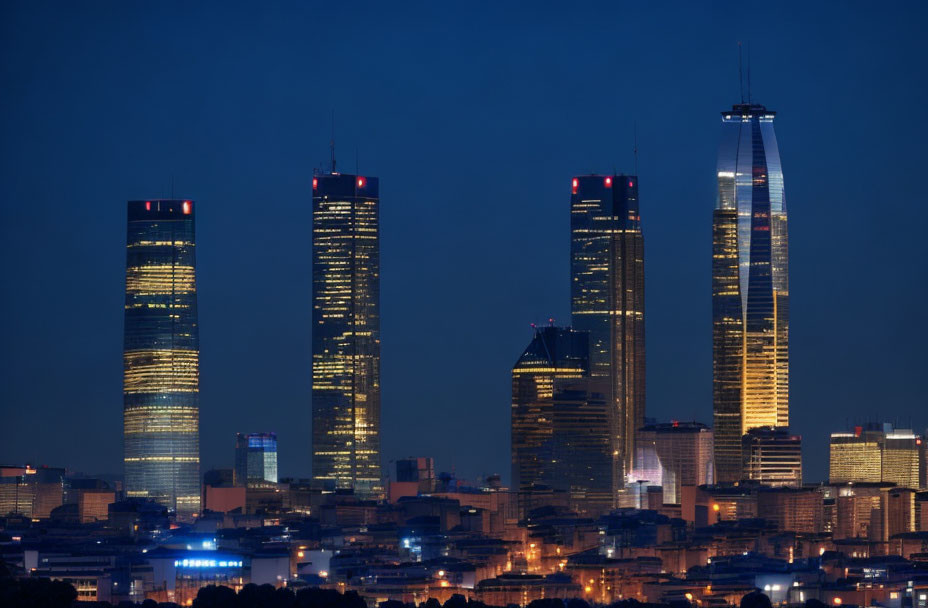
[474,119]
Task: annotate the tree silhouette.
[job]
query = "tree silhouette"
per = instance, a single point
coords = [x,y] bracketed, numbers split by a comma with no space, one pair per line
[755,599]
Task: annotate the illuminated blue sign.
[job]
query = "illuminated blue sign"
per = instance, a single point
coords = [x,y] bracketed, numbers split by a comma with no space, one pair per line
[207,563]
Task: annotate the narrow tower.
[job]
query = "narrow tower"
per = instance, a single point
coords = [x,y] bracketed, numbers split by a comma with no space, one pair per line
[750,286]
[161,356]
[346,332]
[607,299]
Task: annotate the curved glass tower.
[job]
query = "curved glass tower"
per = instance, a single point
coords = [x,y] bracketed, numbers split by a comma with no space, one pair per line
[161,356]
[750,286]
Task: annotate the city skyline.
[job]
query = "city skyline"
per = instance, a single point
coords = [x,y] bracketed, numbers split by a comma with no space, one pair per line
[253,226]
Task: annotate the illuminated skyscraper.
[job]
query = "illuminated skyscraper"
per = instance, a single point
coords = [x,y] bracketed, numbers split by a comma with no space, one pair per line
[161,356]
[877,453]
[255,459]
[750,286]
[346,332]
[607,298]
[554,354]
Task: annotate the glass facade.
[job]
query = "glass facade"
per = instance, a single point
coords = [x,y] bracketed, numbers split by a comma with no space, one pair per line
[161,355]
[255,459]
[750,286]
[607,299]
[554,354]
[346,332]
[582,452]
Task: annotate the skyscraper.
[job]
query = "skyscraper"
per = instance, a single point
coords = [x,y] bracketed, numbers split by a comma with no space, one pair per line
[750,286]
[607,298]
[255,459]
[346,332]
[554,354]
[161,356]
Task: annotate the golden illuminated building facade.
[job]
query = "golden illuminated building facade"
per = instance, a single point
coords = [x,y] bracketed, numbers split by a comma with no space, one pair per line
[161,356]
[607,299]
[346,332]
[877,453]
[750,286]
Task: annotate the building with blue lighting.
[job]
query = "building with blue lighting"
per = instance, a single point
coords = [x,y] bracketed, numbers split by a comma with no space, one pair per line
[255,459]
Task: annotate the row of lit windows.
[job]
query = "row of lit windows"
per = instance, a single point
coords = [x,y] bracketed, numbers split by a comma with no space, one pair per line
[160,279]
[161,370]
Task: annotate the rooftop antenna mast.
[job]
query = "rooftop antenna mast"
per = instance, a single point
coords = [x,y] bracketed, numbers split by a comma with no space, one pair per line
[635,148]
[740,73]
[749,72]
[332,142]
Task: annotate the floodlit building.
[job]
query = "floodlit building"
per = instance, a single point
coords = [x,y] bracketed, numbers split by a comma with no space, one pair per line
[877,453]
[750,286]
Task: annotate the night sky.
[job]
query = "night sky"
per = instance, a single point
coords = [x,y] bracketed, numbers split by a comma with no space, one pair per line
[475,118]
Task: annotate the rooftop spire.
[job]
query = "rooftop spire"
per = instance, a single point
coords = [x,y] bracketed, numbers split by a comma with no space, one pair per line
[740,74]
[332,142]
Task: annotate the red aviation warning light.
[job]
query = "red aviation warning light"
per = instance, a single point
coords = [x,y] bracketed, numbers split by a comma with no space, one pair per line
[631,184]
[186,207]
[574,185]
[147,205]
[315,183]
[608,181]
[361,182]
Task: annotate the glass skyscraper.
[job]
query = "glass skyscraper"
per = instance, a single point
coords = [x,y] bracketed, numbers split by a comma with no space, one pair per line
[346,332]
[161,356]
[554,354]
[607,299]
[255,459]
[750,286]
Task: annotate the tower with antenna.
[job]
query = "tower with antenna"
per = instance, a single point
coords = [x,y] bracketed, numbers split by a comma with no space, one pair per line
[346,330]
[332,143]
